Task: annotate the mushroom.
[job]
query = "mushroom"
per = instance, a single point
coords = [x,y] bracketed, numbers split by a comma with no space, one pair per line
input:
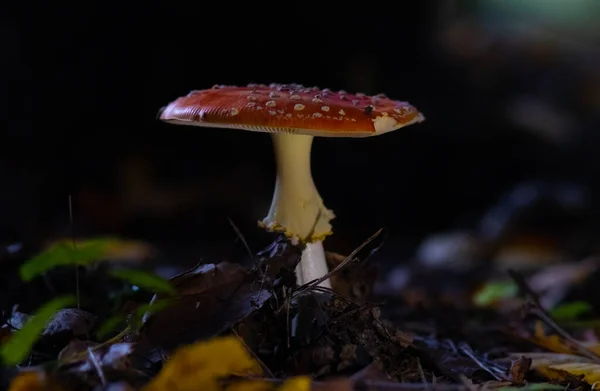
[294,115]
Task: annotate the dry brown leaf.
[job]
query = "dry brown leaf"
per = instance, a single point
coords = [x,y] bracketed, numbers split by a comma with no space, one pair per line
[201,366]
[333,385]
[354,280]
[114,356]
[211,298]
[518,369]
[70,320]
[558,367]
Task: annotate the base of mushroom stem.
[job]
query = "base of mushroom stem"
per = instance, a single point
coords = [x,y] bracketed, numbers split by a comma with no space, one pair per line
[312,265]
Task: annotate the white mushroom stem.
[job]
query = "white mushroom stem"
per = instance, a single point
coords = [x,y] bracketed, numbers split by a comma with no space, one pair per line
[297,208]
[312,265]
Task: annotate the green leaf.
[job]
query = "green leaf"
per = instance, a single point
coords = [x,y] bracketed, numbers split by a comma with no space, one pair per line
[64,253]
[571,311]
[109,325]
[145,280]
[150,309]
[534,387]
[495,291]
[17,348]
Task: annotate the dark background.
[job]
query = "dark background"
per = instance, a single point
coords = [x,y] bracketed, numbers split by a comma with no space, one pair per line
[509,95]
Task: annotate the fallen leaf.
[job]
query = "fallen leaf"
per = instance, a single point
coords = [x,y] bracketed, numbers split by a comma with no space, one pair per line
[210,299]
[145,280]
[558,367]
[355,280]
[33,381]
[518,369]
[551,342]
[373,371]
[81,252]
[494,292]
[19,345]
[298,383]
[110,325]
[70,320]
[589,371]
[73,352]
[527,253]
[114,355]
[200,366]
[570,311]
[558,344]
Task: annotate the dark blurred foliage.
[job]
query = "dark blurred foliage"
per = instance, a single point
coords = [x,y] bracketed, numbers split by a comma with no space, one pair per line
[83,83]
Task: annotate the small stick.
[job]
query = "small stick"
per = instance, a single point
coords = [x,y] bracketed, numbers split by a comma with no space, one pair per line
[340,266]
[97,366]
[468,352]
[541,313]
[262,364]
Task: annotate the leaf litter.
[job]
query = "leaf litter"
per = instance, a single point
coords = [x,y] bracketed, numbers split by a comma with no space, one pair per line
[229,325]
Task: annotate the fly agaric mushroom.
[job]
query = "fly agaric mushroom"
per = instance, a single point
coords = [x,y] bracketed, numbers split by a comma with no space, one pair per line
[294,115]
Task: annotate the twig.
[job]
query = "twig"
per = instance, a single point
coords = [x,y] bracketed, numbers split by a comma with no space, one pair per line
[252,257]
[422,373]
[97,366]
[349,258]
[243,239]
[545,317]
[466,350]
[261,362]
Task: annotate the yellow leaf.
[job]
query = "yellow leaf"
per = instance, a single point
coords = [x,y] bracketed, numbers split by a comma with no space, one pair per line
[594,347]
[589,371]
[251,385]
[556,366]
[116,249]
[550,342]
[201,365]
[299,383]
[32,381]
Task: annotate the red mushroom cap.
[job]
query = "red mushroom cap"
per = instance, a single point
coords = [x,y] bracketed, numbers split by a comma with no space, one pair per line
[291,108]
